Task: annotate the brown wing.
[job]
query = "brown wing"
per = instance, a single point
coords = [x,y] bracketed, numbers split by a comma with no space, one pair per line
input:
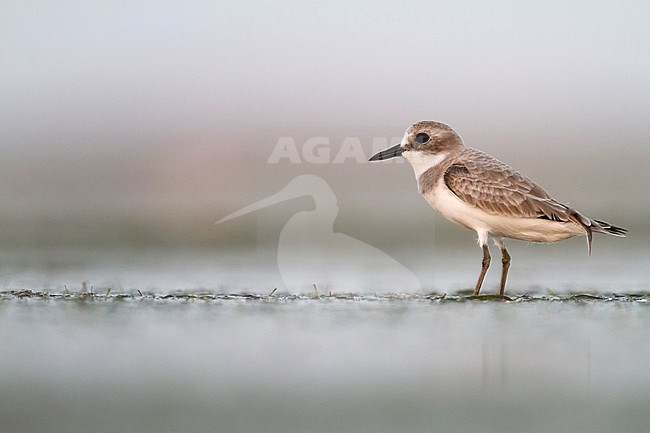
[496,188]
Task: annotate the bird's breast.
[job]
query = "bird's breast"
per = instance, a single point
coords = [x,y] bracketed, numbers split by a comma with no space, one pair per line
[453,208]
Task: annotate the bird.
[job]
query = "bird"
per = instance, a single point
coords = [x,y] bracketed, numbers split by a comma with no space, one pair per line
[311,252]
[477,191]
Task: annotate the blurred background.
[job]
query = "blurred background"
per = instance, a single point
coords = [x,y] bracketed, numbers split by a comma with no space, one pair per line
[127,129]
[137,126]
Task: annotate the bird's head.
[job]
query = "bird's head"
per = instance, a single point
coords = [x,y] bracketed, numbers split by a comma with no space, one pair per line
[424,144]
[428,136]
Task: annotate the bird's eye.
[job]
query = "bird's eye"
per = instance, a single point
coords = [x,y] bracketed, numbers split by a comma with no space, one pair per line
[421,138]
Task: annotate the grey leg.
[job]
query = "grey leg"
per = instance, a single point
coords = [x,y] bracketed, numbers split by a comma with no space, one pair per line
[505,261]
[485,264]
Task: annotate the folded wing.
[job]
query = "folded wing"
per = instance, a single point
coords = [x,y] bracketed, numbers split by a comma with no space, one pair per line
[496,188]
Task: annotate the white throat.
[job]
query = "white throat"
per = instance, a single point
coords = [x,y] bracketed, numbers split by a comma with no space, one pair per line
[421,162]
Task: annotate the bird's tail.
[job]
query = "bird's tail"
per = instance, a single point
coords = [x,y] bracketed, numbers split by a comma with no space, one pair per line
[595,226]
[605,227]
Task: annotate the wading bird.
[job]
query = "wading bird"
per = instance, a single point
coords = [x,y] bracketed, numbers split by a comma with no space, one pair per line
[479,192]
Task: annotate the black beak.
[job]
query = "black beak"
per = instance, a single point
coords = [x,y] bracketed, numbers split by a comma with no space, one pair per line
[391,152]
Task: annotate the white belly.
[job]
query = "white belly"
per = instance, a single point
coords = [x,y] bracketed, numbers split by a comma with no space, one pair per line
[526,229]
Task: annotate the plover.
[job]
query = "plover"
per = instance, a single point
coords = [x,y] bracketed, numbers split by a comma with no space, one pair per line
[479,192]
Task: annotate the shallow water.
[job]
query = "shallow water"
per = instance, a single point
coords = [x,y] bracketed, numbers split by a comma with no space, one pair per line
[192,341]
[616,265]
[215,362]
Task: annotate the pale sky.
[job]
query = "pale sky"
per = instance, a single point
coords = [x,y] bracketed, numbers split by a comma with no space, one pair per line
[180,103]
